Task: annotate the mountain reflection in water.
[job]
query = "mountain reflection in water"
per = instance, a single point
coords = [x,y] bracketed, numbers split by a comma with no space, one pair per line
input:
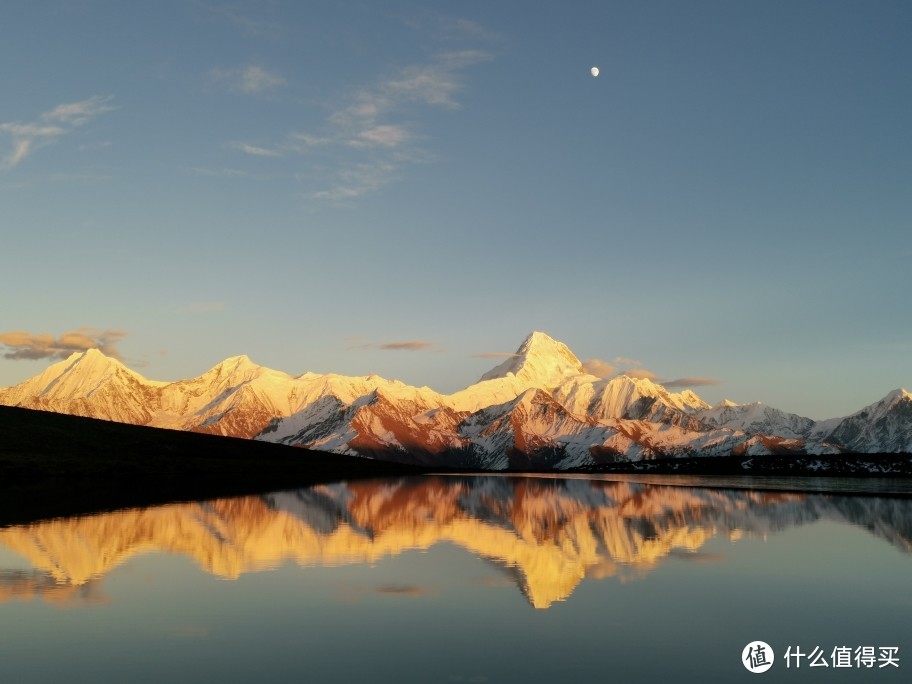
[548,534]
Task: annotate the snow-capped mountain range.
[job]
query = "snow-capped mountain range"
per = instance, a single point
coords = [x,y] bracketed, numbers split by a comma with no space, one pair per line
[539,409]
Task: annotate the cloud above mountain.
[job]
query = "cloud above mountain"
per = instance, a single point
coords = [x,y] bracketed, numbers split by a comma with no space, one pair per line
[23,345]
[691,382]
[599,368]
[632,369]
[408,345]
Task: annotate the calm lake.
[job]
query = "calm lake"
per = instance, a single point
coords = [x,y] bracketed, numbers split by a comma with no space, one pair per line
[465,579]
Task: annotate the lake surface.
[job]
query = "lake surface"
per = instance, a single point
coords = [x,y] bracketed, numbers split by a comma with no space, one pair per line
[462,579]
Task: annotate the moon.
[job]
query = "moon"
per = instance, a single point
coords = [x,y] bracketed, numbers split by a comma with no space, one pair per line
[594,71]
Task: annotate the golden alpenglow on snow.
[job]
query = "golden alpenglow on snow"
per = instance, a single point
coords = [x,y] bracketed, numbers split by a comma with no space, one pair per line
[538,409]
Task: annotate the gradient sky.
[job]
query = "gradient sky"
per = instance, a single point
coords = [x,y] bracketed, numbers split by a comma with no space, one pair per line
[186,180]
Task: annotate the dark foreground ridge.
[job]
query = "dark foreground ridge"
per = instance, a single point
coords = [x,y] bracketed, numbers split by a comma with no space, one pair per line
[53,464]
[842,465]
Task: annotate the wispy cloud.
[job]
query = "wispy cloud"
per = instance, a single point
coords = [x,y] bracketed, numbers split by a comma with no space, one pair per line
[642,374]
[355,181]
[691,382]
[247,80]
[371,135]
[23,345]
[25,138]
[632,368]
[410,345]
[599,368]
[678,383]
[300,142]
[256,151]
[386,136]
[417,345]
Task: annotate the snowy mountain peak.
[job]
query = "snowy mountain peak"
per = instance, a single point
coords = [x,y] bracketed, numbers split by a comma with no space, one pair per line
[880,408]
[725,403]
[235,366]
[882,426]
[94,357]
[90,366]
[897,395]
[540,361]
[238,362]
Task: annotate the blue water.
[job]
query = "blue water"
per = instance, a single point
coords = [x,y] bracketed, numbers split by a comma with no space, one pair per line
[487,579]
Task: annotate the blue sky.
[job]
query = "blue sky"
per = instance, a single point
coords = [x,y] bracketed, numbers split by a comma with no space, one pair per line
[305,183]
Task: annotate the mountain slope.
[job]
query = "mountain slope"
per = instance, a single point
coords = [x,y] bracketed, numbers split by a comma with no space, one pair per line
[89,384]
[614,397]
[537,409]
[540,361]
[756,418]
[883,426]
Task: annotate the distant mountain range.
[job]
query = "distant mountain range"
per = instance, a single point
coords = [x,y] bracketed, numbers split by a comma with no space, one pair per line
[539,409]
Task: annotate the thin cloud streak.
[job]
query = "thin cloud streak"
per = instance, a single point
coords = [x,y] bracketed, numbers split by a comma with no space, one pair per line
[417,345]
[248,80]
[605,370]
[255,150]
[407,345]
[691,382]
[679,383]
[23,345]
[358,180]
[386,136]
[25,138]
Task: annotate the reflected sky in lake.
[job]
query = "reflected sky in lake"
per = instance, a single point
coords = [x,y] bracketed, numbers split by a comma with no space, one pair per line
[457,579]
